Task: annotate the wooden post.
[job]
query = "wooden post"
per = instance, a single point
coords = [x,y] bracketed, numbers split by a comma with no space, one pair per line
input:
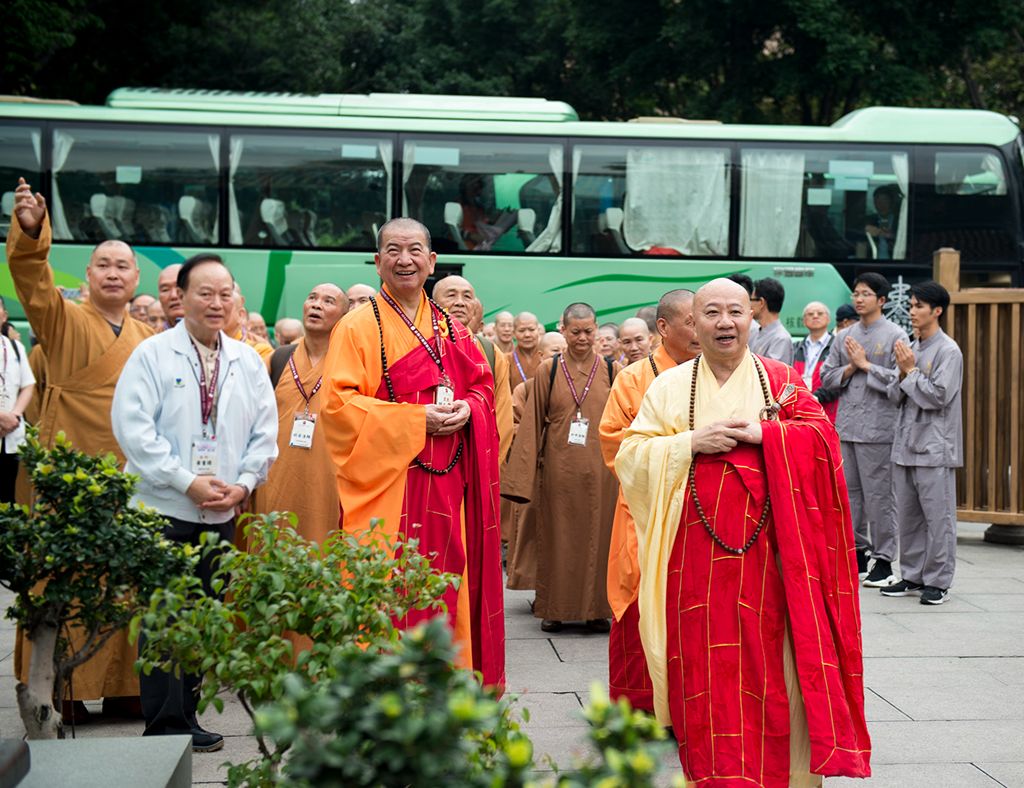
[946,268]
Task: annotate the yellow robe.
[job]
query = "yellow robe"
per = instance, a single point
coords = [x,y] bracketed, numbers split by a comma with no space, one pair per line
[84,359]
[502,400]
[265,349]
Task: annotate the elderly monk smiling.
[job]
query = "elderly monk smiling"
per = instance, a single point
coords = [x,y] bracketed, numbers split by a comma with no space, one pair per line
[748,605]
[408,414]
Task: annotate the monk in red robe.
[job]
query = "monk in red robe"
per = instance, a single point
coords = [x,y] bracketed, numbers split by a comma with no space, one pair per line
[408,414]
[748,602]
[627,666]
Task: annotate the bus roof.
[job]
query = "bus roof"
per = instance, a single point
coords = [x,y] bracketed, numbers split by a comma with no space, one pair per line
[418,114]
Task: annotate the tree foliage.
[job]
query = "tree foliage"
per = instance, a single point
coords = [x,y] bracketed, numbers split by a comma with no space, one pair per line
[84,560]
[805,61]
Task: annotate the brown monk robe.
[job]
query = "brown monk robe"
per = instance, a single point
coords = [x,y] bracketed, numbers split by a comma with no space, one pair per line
[37,363]
[556,465]
[525,356]
[302,478]
[86,346]
[521,555]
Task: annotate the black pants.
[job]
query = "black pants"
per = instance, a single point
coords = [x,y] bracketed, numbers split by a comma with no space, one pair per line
[8,475]
[169,701]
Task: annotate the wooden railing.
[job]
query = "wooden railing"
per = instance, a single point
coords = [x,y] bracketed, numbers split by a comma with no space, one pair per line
[986,323]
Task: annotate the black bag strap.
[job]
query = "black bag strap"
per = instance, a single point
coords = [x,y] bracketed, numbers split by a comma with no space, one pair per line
[488,347]
[611,368]
[554,366]
[278,361]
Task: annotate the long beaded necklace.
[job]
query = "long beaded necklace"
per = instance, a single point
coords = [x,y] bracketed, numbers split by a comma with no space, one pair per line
[391,387]
[769,412]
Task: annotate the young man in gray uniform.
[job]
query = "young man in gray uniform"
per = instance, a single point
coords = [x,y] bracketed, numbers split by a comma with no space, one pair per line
[927,449]
[772,340]
[861,365]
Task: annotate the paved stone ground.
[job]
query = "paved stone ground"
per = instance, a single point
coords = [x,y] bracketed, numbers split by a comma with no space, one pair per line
[944,686]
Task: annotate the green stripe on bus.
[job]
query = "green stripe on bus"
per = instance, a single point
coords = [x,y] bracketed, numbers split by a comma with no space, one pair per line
[279,259]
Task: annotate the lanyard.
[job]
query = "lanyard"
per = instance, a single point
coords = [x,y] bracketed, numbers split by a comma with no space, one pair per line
[298,383]
[572,386]
[3,371]
[435,354]
[207,394]
[515,358]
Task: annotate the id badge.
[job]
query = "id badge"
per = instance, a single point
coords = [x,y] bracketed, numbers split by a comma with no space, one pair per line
[578,431]
[204,456]
[302,430]
[444,395]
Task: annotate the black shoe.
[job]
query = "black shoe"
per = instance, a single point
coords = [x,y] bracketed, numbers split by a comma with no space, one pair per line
[600,625]
[123,708]
[863,557]
[934,596]
[204,741]
[902,588]
[550,625]
[881,575]
[74,711]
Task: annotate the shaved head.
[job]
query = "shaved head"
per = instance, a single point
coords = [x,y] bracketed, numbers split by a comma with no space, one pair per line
[527,329]
[359,294]
[169,294]
[287,330]
[722,315]
[525,317]
[552,342]
[456,295]
[635,338]
[116,248]
[649,315]
[402,224]
[673,301]
[578,311]
[504,330]
[325,305]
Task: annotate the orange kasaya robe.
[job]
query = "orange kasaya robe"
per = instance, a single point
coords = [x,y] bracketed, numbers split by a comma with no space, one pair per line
[374,442]
[627,666]
[84,358]
[265,349]
[761,673]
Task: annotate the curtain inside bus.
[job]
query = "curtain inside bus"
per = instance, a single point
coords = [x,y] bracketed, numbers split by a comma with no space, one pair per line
[677,198]
[773,189]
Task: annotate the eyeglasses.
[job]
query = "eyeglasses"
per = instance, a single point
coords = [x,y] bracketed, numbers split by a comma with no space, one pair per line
[860,294]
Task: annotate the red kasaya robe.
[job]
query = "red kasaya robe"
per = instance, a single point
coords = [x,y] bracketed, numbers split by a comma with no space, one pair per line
[373,443]
[727,615]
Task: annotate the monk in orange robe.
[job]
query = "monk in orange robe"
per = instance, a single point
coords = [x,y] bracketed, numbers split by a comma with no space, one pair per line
[86,347]
[627,666]
[302,479]
[408,414]
[749,613]
[238,328]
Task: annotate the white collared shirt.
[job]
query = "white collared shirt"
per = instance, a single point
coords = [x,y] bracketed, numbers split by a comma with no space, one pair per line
[157,414]
[16,374]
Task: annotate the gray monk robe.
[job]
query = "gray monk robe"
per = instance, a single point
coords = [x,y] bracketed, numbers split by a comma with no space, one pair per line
[570,490]
[865,423]
[927,449]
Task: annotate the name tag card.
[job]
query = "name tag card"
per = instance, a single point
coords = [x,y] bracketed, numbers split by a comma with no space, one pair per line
[444,395]
[578,431]
[204,456]
[302,431]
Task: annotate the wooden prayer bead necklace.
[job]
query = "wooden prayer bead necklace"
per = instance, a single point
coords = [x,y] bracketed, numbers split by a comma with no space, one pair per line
[769,412]
[650,357]
[391,388]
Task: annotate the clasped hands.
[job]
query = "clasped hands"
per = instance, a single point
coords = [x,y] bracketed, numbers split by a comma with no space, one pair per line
[209,492]
[858,356]
[446,419]
[904,357]
[722,436]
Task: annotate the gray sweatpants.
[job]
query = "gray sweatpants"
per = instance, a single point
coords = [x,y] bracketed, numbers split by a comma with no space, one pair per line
[926,498]
[868,468]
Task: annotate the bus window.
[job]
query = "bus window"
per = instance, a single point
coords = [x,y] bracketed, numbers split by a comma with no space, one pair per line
[135,184]
[963,204]
[315,191]
[497,196]
[824,204]
[19,158]
[648,199]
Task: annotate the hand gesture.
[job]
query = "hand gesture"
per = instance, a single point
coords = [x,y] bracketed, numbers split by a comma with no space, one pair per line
[436,417]
[8,421]
[722,436]
[858,357]
[30,209]
[455,419]
[205,490]
[231,496]
[904,357]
